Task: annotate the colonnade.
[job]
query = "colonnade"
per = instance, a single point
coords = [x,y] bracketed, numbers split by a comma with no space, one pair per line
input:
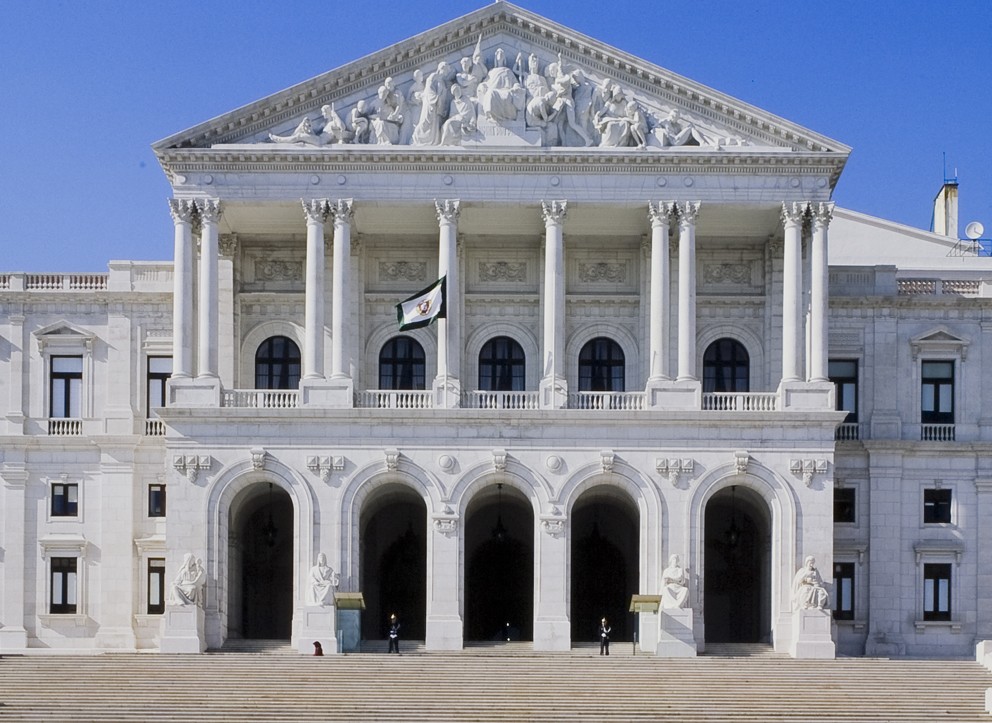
[661,216]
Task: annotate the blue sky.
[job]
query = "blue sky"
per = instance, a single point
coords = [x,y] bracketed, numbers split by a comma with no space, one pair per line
[86,86]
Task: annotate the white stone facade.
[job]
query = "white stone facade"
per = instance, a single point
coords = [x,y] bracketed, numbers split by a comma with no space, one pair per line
[655,237]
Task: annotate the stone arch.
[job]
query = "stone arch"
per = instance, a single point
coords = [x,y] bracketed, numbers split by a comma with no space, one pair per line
[621,335]
[519,333]
[254,338]
[747,338]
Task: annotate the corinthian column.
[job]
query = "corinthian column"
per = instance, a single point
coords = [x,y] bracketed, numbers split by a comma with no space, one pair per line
[660,215]
[449,336]
[553,387]
[792,218]
[819,292]
[182,288]
[210,212]
[688,213]
[342,211]
[313,354]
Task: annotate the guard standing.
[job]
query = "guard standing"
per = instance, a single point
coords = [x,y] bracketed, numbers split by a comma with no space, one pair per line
[604,637]
[394,635]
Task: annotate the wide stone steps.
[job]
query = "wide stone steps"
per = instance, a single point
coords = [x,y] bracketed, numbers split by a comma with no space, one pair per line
[476,685]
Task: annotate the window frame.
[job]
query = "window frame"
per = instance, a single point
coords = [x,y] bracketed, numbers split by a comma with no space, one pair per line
[71,384]
[68,585]
[840,382]
[155,571]
[845,490]
[161,380]
[286,360]
[937,415]
[937,614]
[851,587]
[164,507]
[615,363]
[515,360]
[417,383]
[56,546]
[947,506]
[64,340]
[67,489]
[741,370]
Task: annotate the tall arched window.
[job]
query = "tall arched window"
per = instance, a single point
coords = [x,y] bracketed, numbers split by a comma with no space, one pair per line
[402,364]
[501,366]
[277,364]
[726,367]
[601,366]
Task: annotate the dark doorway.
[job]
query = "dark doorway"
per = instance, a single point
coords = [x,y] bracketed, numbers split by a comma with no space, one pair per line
[605,563]
[737,597]
[394,563]
[499,576]
[263,601]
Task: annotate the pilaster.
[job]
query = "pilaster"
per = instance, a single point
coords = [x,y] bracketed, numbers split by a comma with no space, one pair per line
[13,635]
[792,218]
[688,212]
[445,629]
[209,211]
[553,387]
[447,383]
[117,579]
[182,300]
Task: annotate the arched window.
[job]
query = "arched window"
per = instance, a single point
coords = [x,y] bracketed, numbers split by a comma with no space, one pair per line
[601,366]
[277,364]
[402,365]
[726,367]
[501,366]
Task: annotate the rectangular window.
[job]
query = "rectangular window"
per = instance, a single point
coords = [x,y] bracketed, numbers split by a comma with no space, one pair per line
[844,504]
[159,371]
[156,586]
[936,591]
[844,375]
[65,499]
[66,392]
[843,591]
[936,506]
[63,600]
[156,500]
[937,390]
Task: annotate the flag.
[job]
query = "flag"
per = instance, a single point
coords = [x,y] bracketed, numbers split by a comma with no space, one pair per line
[423,307]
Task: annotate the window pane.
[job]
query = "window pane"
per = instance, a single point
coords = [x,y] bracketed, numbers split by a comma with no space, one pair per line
[160,364]
[945,398]
[928,595]
[75,398]
[70,585]
[57,593]
[67,364]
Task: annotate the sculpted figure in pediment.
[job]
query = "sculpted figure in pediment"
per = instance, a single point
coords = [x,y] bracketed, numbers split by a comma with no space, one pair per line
[461,118]
[334,128]
[361,125]
[435,101]
[387,122]
[500,95]
[414,101]
[678,131]
[303,133]
[472,71]
[563,83]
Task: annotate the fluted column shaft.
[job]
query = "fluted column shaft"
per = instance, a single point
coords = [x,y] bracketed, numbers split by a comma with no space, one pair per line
[688,212]
[340,354]
[554,213]
[792,218]
[182,288]
[313,354]
[819,293]
[449,328]
[660,216]
[207,363]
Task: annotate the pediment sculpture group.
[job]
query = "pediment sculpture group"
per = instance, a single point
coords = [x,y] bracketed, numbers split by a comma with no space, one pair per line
[451,105]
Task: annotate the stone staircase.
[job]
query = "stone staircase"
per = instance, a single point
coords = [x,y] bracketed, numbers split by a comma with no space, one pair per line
[508,683]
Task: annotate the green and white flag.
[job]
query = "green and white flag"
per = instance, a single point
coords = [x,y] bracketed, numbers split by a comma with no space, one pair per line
[423,307]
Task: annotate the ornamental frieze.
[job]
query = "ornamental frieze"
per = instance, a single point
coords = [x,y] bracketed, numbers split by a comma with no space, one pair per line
[402,270]
[509,271]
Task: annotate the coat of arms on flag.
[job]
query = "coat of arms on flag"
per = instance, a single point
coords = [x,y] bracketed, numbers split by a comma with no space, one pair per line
[423,307]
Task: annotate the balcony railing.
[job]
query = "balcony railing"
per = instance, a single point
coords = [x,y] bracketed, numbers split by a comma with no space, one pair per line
[501,400]
[65,282]
[154,428]
[937,432]
[606,400]
[394,399]
[261,398]
[65,427]
[740,402]
[848,432]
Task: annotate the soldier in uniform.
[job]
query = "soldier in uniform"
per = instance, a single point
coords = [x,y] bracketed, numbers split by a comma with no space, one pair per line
[604,637]
[394,635]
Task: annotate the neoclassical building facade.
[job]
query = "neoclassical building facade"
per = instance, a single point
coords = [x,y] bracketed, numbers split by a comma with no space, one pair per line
[661,338]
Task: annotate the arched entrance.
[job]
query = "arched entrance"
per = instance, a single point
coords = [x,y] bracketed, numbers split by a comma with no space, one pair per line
[737,584]
[394,562]
[499,572]
[260,564]
[605,562]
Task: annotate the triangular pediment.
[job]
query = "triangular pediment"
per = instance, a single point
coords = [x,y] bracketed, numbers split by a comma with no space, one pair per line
[502,77]
[939,341]
[63,335]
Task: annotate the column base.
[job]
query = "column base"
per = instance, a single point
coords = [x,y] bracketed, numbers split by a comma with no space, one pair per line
[182,630]
[670,394]
[552,634]
[554,392]
[444,633]
[675,635]
[811,635]
[13,640]
[315,623]
[983,653]
[199,392]
[447,392]
[806,396]
[327,393]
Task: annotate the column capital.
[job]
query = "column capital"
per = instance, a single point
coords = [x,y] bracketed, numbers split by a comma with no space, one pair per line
[182,210]
[315,210]
[688,212]
[209,210]
[661,212]
[794,213]
[228,245]
[447,210]
[822,214]
[343,210]
[554,212]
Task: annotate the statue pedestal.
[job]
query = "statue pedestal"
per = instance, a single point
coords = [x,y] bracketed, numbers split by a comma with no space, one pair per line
[182,630]
[811,635]
[316,623]
[13,639]
[675,638]
[983,653]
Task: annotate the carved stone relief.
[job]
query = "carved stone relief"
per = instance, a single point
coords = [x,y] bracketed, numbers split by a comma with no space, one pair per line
[402,271]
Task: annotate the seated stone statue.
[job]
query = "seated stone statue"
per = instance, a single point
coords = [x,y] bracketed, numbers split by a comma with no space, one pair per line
[303,133]
[674,587]
[808,592]
[187,587]
[677,131]
[321,583]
